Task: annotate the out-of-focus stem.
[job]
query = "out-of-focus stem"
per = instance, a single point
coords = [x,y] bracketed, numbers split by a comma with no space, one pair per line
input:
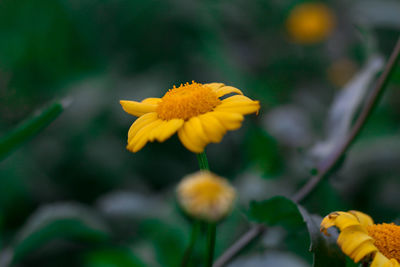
[211,232]
[203,162]
[192,242]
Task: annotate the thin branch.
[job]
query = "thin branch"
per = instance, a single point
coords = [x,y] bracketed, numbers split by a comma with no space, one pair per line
[326,166]
[250,235]
[331,161]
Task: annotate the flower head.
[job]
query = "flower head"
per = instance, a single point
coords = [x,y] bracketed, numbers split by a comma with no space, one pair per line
[310,23]
[361,239]
[196,111]
[206,196]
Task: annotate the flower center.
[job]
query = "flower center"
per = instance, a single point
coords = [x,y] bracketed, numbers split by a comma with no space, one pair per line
[386,239]
[208,190]
[187,101]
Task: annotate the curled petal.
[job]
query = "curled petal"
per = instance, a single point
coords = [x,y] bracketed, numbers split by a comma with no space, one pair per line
[362,251]
[137,108]
[224,90]
[141,122]
[231,121]
[340,219]
[363,218]
[380,260]
[212,127]
[351,238]
[214,86]
[142,136]
[195,130]
[188,143]
[238,104]
[166,129]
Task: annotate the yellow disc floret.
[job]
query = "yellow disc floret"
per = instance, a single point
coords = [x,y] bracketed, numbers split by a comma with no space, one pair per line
[386,239]
[187,101]
[206,196]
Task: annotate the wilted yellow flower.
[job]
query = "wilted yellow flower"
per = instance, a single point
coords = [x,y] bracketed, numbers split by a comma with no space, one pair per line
[361,239]
[206,196]
[310,23]
[196,111]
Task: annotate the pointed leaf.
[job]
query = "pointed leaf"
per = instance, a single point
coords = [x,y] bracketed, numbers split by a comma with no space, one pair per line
[282,211]
[29,128]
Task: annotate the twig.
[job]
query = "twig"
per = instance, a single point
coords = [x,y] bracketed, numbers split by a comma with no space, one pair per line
[326,165]
[250,235]
[330,162]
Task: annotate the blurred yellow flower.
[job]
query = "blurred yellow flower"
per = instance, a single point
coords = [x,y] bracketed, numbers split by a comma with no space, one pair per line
[196,111]
[361,239]
[206,196]
[310,23]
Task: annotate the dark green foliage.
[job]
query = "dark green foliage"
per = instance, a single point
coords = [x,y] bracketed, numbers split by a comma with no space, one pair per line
[57,222]
[282,211]
[112,257]
[263,152]
[29,128]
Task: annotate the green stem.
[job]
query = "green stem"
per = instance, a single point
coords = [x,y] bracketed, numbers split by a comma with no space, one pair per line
[203,162]
[189,249]
[211,232]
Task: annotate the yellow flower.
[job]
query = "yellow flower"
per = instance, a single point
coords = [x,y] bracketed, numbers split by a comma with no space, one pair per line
[361,239]
[310,23]
[196,111]
[206,196]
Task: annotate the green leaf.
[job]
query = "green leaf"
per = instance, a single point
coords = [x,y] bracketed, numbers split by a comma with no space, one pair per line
[282,211]
[112,257]
[276,211]
[169,241]
[324,248]
[29,128]
[65,221]
[263,152]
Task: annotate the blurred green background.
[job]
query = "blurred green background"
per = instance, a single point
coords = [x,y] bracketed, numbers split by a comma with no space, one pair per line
[74,196]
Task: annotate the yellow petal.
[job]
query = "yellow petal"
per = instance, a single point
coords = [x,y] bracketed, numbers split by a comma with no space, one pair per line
[340,219]
[137,108]
[224,90]
[214,86]
[363,218]
[140,123]
[237,98]
[188,143]
[212,127]
[345,220]
[194,130]
[193,136]
[142,136]
[380,260]
[157,130]
[363,251]
[351,238]
[231,121]
[151,100]
[167,129]
[392,263]
[238,104]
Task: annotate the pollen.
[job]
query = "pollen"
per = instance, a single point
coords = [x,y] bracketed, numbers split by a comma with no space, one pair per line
[386,239]
[187,101]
